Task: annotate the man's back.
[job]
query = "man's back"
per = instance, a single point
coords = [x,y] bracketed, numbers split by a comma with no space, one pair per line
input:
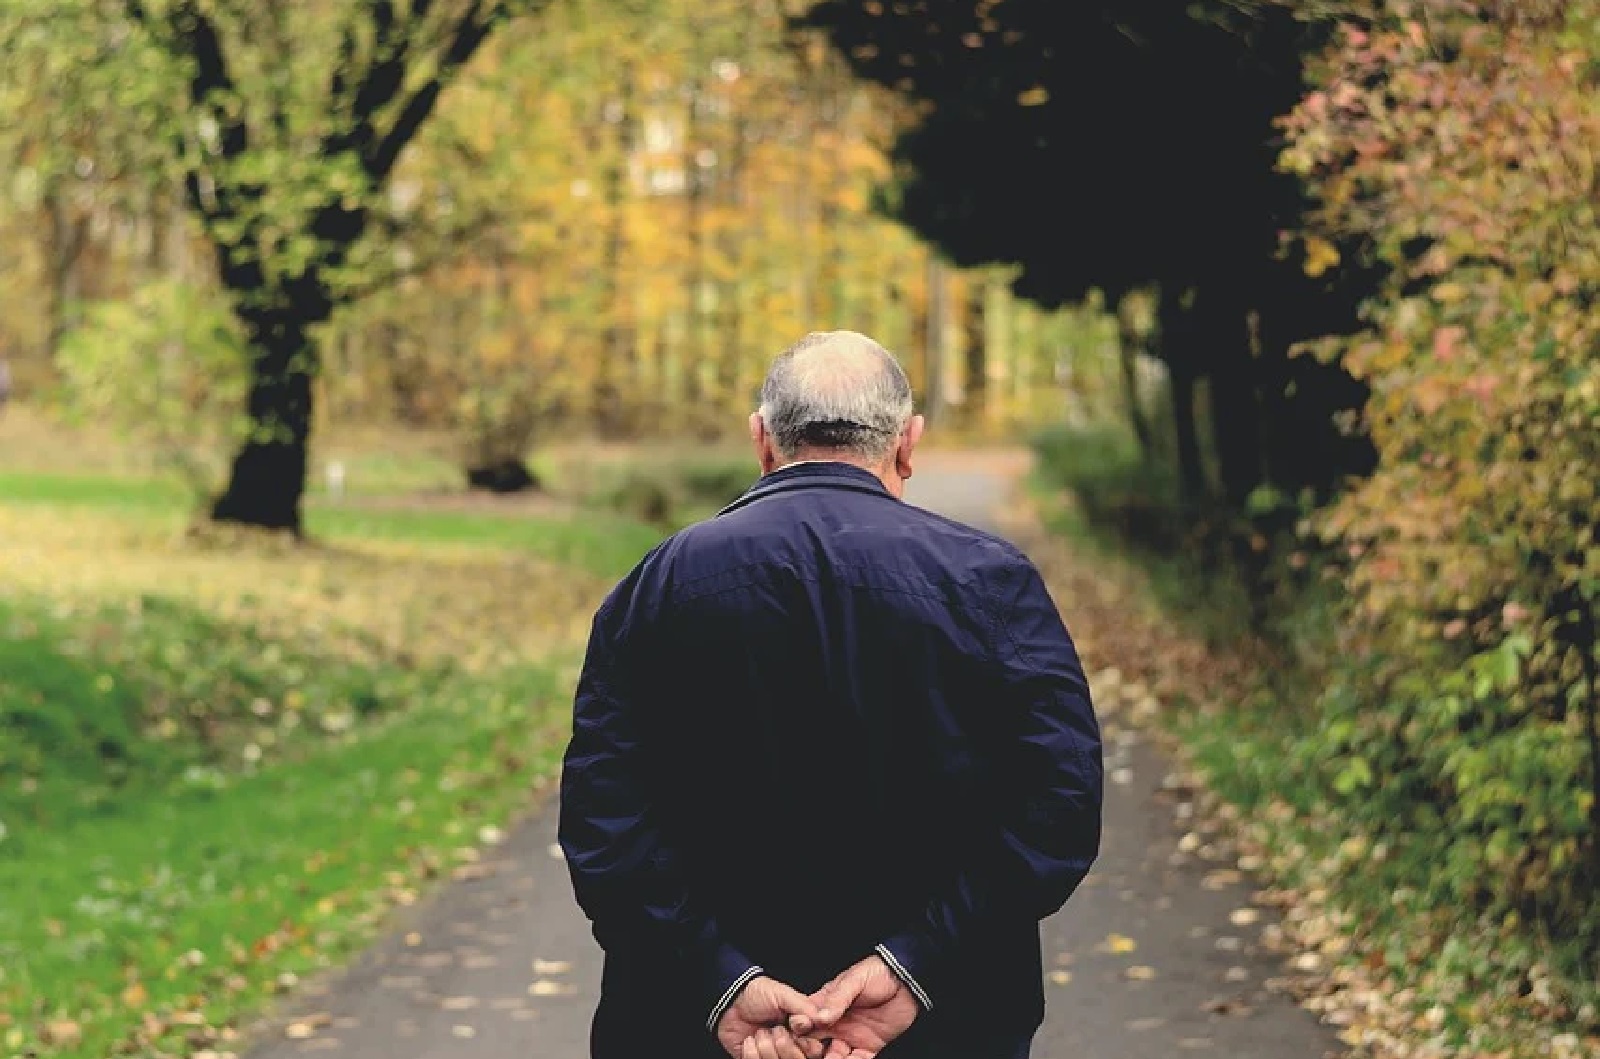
[828,695]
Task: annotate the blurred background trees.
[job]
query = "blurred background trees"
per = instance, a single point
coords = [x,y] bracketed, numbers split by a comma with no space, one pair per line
[1297,298]
[621,213]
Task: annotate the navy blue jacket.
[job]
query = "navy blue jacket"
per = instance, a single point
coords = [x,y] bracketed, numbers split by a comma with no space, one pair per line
[822,724]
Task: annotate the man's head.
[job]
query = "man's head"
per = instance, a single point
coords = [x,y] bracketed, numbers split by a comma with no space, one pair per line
[838,395]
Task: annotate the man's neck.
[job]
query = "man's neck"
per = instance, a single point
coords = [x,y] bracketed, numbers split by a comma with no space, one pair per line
[884,473]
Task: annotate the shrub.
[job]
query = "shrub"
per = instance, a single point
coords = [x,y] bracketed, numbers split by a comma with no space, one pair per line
[1456,140]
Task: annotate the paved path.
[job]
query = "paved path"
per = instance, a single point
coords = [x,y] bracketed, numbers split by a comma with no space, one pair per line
[502,966]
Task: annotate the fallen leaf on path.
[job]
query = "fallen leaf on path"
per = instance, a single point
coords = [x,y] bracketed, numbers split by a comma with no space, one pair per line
[413,939]
[300,1029]
[459,1003]
[1237,974]
[1060,977]
[1140,973]
[463,1031]
[1243,917]
[1118,944]
[545,987]
[1226,1007]
[1143,1025]
[135,995]
[544,967]
[1222,878]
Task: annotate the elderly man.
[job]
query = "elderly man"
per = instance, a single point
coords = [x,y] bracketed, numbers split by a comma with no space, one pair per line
[833,758]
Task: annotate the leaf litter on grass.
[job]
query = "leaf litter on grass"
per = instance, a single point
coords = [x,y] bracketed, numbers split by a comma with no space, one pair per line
[359,713]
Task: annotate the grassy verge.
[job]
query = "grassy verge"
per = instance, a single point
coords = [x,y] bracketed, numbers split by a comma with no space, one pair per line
[600,542]
[220,767]
[1382,946]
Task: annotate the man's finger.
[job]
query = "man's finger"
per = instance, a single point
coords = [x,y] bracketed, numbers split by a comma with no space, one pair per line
[788,1047]
[838,1050]
[768,1043]
[837,997]
[811,1047]
[799,1010]
[747,1050]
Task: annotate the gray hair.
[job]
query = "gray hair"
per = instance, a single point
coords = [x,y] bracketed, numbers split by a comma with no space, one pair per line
[837,391]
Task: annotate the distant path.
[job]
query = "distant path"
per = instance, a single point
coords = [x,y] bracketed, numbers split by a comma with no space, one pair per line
[502,966]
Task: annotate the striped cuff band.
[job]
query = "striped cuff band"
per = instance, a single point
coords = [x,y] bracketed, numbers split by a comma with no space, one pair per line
[728,998]
[905,976]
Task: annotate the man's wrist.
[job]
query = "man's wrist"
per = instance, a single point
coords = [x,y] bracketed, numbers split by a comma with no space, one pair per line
[900,971]
[730,996]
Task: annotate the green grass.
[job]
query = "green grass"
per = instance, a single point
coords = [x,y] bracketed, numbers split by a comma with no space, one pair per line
[205,897]
[599,542]
[221,768]
[155,494]
[605,545]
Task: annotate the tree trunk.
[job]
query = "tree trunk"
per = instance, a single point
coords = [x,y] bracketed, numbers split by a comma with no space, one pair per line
[935,330]
[1223,327]
[976,353]
[269,473]
[68,236]
[616,352]
[1130,344]
[1191,470]
[1181,353]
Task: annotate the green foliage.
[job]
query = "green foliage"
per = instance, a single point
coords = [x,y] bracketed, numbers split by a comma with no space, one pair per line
[1464,713]
[1119,490]
[167,366]
[671,492]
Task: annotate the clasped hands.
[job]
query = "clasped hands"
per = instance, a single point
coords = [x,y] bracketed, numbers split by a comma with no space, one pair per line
[855,1016]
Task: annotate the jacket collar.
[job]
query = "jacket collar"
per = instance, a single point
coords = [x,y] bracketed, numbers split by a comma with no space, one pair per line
[818,475]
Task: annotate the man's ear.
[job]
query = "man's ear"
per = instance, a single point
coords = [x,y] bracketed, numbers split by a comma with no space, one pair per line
[908,445]
[766,452]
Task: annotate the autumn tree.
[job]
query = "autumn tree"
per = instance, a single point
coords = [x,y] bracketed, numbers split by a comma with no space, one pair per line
[298,114]
[1456,139]
[1121,146]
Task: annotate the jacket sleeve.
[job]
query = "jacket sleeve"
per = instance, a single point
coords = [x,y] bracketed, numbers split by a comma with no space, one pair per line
[626,872]
[1046,753]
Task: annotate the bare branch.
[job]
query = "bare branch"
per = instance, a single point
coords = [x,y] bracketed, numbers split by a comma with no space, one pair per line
[470,32]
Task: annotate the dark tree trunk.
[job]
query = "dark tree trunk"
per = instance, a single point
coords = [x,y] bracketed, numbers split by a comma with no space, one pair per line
[1130,343]
[1182,353]
[1191,470]
[506,475]
[1222,326]
[269,472]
